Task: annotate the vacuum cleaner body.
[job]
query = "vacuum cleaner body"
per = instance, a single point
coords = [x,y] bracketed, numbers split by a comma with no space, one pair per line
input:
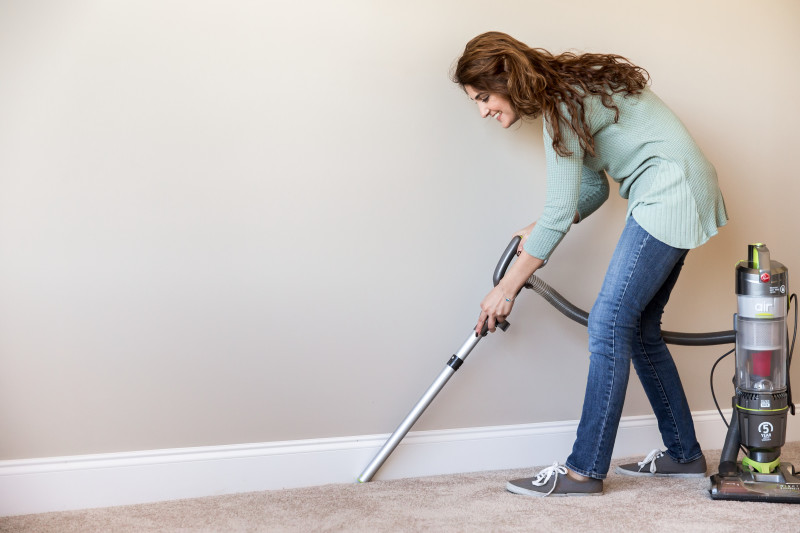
[762,399]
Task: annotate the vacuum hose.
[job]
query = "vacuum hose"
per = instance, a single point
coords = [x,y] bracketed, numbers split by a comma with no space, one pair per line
[580,316]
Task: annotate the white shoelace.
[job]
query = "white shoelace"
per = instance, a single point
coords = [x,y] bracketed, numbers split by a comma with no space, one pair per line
[651,458]
[544,476]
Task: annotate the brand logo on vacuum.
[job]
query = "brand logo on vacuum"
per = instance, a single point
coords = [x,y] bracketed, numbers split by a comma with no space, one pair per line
[765,428]
[765,277]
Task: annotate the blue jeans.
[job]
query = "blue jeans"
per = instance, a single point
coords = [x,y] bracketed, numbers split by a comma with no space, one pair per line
[625,326]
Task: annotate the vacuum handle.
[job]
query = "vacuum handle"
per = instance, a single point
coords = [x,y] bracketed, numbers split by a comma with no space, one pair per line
[505,260]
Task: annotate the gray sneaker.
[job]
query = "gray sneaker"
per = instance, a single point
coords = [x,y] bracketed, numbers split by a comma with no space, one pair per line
[553,481]
[659,464]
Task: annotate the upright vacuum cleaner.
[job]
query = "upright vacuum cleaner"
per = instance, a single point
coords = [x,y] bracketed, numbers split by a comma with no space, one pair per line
[763,394]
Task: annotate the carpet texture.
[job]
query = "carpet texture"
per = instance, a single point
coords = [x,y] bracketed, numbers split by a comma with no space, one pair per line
[463,503]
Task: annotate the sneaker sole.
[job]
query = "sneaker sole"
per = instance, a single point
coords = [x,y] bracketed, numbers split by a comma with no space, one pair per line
[528,492]
[620,470]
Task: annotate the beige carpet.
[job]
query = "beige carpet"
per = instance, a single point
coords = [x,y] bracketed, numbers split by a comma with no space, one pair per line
[464,502]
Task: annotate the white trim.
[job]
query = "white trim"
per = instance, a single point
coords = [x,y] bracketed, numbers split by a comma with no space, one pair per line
[87,481]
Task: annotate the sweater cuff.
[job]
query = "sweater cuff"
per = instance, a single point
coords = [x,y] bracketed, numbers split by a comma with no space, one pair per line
[542,241]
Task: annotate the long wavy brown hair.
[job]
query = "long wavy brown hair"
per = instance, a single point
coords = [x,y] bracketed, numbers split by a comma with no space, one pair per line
[537,82]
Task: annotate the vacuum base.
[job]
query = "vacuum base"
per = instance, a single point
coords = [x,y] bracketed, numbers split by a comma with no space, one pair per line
[781,486]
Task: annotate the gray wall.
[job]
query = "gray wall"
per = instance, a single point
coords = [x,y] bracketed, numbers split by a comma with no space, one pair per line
[233,222]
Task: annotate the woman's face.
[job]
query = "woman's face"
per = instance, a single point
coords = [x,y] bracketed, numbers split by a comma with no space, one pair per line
[493,105]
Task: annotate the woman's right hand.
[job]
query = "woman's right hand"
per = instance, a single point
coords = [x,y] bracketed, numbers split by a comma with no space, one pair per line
[524,233]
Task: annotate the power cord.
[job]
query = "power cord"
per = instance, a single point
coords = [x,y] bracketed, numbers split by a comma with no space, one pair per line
[789,355]
[711,379]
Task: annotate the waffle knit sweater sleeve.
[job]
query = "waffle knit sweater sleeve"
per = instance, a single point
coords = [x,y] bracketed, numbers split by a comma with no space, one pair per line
[671,187]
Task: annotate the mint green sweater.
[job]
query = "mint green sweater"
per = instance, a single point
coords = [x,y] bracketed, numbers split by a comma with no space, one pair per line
[671,188]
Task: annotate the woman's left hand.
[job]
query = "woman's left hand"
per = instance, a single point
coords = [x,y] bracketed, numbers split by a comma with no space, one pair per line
[495,308]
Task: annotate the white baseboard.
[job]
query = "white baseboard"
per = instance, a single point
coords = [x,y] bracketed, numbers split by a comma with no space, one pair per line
[89,481]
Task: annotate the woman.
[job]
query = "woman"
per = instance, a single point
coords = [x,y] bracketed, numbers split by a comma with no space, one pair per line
[600,119]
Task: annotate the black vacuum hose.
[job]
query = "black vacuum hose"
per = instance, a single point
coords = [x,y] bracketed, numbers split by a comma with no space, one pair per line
[580,316]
